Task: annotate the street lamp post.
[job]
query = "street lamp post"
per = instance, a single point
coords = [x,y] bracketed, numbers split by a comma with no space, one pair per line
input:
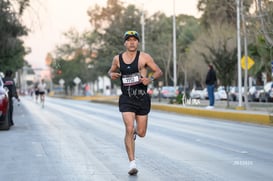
[174,47]
[143,28]
[239,54]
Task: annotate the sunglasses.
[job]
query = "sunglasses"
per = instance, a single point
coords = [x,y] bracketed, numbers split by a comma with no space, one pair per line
[127,33]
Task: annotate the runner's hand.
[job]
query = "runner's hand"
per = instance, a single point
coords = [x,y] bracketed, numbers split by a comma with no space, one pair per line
[145,80]
[114,75]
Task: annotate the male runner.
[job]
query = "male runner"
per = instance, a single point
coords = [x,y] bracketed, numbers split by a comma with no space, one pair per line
[131,67]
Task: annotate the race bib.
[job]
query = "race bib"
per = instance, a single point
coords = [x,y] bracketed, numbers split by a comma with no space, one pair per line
[132,79]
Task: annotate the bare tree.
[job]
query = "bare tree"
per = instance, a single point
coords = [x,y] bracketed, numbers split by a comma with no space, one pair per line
[265,15]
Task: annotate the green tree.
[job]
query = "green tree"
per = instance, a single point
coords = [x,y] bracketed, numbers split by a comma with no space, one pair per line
[262,53]
[73,59]
[159,43]
[118,20]
[188,29]
[265,13]
[260,25]
[12,50]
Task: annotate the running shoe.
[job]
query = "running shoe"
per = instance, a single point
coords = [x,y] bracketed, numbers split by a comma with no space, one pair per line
[133,171]
[132,168]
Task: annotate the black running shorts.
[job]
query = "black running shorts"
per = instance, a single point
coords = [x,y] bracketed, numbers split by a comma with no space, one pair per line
[41,92]
[139,105]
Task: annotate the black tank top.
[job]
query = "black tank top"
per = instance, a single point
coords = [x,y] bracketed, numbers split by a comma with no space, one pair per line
[130,78]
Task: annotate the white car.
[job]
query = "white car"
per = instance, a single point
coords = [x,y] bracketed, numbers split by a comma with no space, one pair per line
[197,93]
[205,94]
[221,93]
[267,94]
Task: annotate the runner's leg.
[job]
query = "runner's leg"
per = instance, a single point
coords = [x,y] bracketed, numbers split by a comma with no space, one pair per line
[128,119]
[141,128]
[43,99]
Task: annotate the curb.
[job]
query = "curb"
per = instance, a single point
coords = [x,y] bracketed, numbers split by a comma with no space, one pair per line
[258,118]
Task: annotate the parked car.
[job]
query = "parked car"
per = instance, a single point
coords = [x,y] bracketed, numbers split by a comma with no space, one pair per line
[197,93]
[4,107]
[153,92]
[267,94]
[205,94]
[169,92]
[233,93]
[150,91]
[221,93]
[254,93]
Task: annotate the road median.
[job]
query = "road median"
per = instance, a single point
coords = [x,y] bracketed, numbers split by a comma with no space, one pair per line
[263,118]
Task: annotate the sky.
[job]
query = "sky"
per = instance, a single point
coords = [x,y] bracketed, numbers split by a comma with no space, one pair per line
[49,19]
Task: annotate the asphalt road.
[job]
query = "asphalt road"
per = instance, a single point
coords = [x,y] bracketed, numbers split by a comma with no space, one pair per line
[72,140]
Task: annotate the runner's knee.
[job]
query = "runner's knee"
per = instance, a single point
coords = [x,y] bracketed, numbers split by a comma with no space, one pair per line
[141,133]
